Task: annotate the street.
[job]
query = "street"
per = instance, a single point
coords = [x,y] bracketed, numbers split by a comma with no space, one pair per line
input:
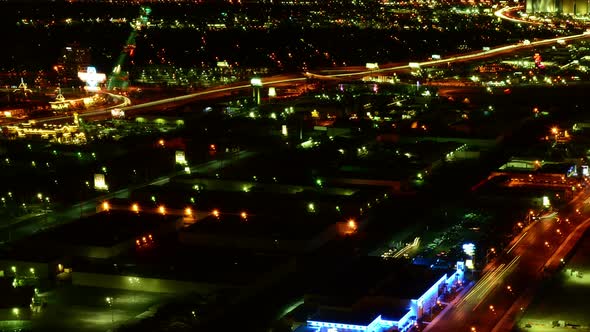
[512,277]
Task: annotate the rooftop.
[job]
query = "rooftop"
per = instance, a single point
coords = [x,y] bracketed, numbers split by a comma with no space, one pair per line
[261,226]
[104,229]
[177,262]
[349,279]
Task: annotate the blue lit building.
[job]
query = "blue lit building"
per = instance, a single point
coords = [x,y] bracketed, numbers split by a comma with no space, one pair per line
[378,296]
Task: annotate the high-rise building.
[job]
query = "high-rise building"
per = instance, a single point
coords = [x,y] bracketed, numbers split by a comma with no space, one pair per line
[569,7]
[73,59]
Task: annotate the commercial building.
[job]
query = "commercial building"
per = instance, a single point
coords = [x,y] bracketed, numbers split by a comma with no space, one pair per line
[173,268]
[252,232]
[106,234]
[370,294]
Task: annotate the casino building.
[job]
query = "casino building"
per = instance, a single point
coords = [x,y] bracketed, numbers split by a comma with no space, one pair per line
[568,7]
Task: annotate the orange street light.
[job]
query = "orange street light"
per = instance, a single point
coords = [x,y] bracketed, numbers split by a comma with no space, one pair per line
[244,215]
[106,206]
[215,213]
[162,209]
[135,207]
[188,212]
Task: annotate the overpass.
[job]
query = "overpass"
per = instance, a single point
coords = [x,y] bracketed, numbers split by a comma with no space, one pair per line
[294,78]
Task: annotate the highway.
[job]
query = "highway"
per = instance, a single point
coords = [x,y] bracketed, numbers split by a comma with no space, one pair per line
[510,281]
[41,222]
[331,74]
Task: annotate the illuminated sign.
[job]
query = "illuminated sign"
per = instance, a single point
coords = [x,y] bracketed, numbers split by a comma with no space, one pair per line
[222,64]
[117,113]
[372,65]
[100,182]
[469,264]
[256,82]
[180,158]
[272,92]
[92,79]
[585,170]
[284,130]
[435,57]
[414,65]
[469,249]
[546,202]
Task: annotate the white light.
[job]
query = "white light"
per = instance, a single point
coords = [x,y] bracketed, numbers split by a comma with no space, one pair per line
[469,249]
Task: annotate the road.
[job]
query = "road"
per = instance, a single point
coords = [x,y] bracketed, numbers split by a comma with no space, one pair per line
[44,221]
[502,292]
[331,74]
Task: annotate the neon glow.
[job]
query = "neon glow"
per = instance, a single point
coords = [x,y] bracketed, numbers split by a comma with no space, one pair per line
[92,79]
[426,301]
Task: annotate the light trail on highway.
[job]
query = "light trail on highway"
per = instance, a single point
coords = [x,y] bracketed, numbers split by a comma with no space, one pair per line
[496,301]
[289,78]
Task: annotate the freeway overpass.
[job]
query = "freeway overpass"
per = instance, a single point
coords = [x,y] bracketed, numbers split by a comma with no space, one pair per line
[332,74]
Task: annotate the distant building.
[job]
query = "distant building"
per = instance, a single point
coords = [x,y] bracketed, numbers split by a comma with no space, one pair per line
[73,59]
[569,7]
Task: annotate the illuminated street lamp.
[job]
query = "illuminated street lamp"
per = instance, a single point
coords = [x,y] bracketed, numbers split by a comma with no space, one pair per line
[244,215]
[188,212]
[135,207]
[106,206]
[162,210]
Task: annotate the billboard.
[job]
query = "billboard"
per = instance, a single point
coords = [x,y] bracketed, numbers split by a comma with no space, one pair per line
[100,182]
[180,158]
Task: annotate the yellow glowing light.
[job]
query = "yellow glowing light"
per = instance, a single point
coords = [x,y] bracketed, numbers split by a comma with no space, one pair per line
[188,212]
[162,209]
[106,206]
[215,213]
[244,215]
[135,207]
[351,224]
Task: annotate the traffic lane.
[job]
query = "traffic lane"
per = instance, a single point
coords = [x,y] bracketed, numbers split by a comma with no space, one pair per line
[476,312]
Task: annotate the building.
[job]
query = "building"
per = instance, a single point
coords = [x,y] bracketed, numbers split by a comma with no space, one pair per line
[371,294]
[73,59]
[106,234]
[568,7]
[172,268]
